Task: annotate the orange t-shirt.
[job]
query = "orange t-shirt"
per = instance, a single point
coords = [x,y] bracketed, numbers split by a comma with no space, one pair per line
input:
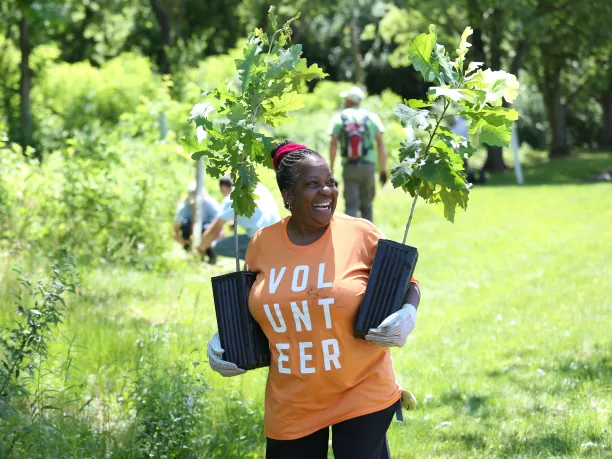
[306,300]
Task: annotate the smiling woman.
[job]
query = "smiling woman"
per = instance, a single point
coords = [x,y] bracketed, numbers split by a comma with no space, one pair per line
[312,269]
[308,188]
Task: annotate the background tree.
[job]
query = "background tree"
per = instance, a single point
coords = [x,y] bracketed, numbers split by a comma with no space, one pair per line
[29,24]
[503,32]
[563,61]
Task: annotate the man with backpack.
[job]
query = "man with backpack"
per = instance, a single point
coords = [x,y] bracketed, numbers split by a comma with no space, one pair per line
[357,130]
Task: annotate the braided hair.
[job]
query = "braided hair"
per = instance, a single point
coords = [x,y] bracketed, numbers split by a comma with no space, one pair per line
[288,167]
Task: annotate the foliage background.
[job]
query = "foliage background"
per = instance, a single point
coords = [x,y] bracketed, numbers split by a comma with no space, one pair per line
[512,354]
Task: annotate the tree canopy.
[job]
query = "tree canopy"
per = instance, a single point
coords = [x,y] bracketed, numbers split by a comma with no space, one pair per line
[560,48]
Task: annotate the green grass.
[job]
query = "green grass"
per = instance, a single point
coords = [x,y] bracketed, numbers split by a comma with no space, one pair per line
[511,357]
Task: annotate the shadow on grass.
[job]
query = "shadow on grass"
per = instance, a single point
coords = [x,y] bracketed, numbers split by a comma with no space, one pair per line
[576,169]
[594,368]
[472,441]
[563,375]
[544,445]
[466,403]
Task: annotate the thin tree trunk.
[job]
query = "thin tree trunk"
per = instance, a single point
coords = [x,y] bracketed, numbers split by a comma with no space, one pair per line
[496,38]
[25,84]
[605,141]
[557,117]
[357,57]
[495,159]
[166,37]
[521,51]
[475,17]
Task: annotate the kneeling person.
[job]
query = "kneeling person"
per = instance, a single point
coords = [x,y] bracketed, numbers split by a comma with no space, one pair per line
[185,214]
[266,214]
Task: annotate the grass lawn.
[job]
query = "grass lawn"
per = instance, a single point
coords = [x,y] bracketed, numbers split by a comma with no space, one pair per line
[511,357]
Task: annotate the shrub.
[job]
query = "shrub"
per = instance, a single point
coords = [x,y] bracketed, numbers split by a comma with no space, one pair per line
[108,196]
[82,94]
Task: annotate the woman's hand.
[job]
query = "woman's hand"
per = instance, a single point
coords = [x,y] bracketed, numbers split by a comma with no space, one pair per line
[394,330]
[215,351]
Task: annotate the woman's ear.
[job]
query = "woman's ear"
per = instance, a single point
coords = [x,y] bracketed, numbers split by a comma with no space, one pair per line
[287,196]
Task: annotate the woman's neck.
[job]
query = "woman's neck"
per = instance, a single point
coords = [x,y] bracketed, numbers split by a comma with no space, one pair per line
[302,234]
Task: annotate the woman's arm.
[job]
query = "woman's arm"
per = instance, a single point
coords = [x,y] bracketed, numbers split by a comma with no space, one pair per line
[413,295]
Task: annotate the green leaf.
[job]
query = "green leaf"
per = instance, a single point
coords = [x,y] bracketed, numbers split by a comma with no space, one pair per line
[415,118]
[420,51]
[196,156]
[410,149]
[446,73]
[272,18]
[247,66]
[451,200]
[276,109]
[464,45]
[402,176]
[417,103]
[474,97]
[243,197]
[494,135]
[473,67]
[237,113]
[287,60]
[497,84]
[454,94]
[302,73]
[493,124]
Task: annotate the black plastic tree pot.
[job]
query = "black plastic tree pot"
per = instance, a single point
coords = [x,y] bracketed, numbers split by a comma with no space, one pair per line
[244,342]
[390,276]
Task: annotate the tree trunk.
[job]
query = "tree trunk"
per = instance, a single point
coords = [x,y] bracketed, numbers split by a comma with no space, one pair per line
[557,117]
[496,39]
[522,47]
[605,140]
[495,160]
[357,57]
[475,18]
[25,85]
[166,37]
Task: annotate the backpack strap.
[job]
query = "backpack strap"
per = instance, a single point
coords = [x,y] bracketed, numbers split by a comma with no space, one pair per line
[366,144]
[343,138]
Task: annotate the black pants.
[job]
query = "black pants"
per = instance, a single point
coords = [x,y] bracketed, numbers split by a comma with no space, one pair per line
[187,229]
[364,437]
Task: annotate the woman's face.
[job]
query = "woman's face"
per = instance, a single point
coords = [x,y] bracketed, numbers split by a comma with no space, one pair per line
[313,201]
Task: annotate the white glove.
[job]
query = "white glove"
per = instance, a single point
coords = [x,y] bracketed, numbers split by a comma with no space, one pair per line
[394,330]
[215,361]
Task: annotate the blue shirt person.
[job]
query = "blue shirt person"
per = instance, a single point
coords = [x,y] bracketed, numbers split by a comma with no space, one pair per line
[184,216]
[266,213]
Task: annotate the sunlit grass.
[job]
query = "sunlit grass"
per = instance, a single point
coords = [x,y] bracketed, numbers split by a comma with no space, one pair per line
[511,356]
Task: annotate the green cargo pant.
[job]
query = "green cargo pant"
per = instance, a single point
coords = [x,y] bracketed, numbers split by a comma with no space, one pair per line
[225,247]
[359,188]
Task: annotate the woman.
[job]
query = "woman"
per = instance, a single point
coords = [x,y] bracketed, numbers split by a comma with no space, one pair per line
[313,267]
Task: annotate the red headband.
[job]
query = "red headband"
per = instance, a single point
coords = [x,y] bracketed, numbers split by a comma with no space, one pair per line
[282,151]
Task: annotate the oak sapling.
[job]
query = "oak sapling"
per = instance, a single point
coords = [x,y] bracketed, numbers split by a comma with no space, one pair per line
[271,74]
[433,168]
